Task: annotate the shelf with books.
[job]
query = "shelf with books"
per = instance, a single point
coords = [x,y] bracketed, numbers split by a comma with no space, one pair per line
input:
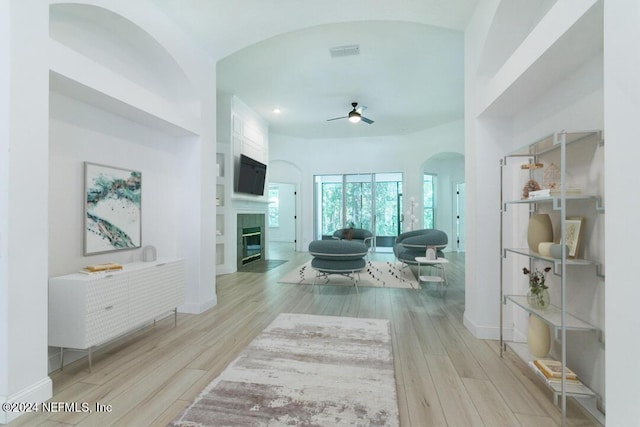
[574,388]
[576,154]
[577,390]
[551,315]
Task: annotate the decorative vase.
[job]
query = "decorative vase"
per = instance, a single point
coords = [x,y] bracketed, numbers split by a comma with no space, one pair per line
[556,250]
[538,336]
[540,301]
[544,248]
[531,185]
[539,230]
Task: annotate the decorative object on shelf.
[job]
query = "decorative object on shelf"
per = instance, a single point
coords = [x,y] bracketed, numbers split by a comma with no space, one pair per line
[538,336]
[574,226]
[544,248]
[553,369]
[538,295]
[569,191]
[431,253]
[555,251]
[99,268]
[545,192]
[539,230]
[531,166]
[551,177]
[149,253]
[531,185]
[112,217]
[412,220]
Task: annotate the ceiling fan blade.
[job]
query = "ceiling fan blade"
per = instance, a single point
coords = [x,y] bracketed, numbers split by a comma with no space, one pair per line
[338,118]
[366,120]
[361,108]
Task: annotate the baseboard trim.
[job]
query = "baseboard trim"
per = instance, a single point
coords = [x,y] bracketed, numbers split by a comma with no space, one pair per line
[40,391]
[195,308]
[481,332]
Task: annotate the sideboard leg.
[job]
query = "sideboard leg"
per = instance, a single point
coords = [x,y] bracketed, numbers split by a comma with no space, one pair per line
[61,358]
[90,361]
[175,317]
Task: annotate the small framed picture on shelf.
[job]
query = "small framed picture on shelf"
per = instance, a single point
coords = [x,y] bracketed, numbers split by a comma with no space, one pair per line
[574,227]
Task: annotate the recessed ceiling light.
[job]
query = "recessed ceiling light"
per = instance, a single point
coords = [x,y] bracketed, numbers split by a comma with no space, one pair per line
[277,111]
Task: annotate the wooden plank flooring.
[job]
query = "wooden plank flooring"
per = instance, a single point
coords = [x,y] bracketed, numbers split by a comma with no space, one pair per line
[444,376]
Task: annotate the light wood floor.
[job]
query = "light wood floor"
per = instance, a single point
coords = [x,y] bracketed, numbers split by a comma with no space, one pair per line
[444,376]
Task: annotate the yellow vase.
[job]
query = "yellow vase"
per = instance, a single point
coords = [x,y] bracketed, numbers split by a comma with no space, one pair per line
[538,337]
[539,230]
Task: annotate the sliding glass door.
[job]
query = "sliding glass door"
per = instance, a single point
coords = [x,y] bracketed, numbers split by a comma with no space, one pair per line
[387,208]
[369,201]
[358,201]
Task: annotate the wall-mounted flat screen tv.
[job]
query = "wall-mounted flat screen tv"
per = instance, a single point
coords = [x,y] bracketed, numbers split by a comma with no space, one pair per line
[251,176]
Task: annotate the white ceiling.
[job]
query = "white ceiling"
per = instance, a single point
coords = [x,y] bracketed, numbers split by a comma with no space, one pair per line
[275,54]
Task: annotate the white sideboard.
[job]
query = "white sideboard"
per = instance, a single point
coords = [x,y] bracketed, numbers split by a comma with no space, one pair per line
[86,310]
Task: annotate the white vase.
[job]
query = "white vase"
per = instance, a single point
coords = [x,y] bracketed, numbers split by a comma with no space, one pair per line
[539,230]
[538,336]
[544,248]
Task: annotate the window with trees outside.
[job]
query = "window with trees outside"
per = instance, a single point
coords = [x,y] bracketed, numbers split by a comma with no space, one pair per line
[428,188]
[371,201]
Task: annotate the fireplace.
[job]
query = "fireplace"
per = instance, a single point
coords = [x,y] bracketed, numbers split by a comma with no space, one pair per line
[251,244]
[251,238]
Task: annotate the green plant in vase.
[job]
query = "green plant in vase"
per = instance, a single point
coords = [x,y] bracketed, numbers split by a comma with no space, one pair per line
[538,295]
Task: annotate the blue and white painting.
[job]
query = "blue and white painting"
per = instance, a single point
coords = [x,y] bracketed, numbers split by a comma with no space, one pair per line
[112,209]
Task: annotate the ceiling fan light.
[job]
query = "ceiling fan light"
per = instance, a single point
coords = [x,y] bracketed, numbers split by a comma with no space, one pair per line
[354,117]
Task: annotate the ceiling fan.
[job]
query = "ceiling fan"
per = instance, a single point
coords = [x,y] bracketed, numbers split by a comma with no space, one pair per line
[354,115]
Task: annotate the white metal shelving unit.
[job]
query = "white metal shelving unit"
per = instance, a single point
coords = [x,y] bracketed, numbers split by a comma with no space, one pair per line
[556,316]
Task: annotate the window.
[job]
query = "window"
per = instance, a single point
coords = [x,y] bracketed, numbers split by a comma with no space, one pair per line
[274,206]
[428,187]
[371,201]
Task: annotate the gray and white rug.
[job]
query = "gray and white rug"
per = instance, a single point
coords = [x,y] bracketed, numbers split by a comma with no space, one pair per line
[375,274]
[305,370]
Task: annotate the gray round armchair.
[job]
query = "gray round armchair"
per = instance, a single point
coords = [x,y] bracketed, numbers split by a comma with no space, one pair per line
[343,257]
[414,244]
[354,234]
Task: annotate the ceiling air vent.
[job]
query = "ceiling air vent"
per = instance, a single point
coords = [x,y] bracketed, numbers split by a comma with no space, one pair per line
[340,51]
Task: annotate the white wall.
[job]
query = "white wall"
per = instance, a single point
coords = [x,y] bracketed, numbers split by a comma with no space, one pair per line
[622,109]
[405,154]
[26,258]
[81,133]
[24,204]
[573,101]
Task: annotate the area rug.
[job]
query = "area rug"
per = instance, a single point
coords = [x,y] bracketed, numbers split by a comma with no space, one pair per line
[305,370]
[375,273]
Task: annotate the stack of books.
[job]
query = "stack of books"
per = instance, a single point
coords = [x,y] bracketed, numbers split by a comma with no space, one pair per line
[97,268]
[554,192]
[539,193]
[570,191]
[552,370]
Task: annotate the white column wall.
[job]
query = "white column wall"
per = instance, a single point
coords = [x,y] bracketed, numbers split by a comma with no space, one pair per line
[575,101]
[5,108]
[621,112]
[25,160]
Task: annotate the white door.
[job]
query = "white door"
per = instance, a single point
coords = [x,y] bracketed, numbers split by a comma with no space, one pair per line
[460,217]
[282,213]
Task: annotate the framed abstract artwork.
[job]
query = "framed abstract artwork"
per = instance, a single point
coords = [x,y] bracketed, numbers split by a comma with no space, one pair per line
[574,227]
[112,209]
